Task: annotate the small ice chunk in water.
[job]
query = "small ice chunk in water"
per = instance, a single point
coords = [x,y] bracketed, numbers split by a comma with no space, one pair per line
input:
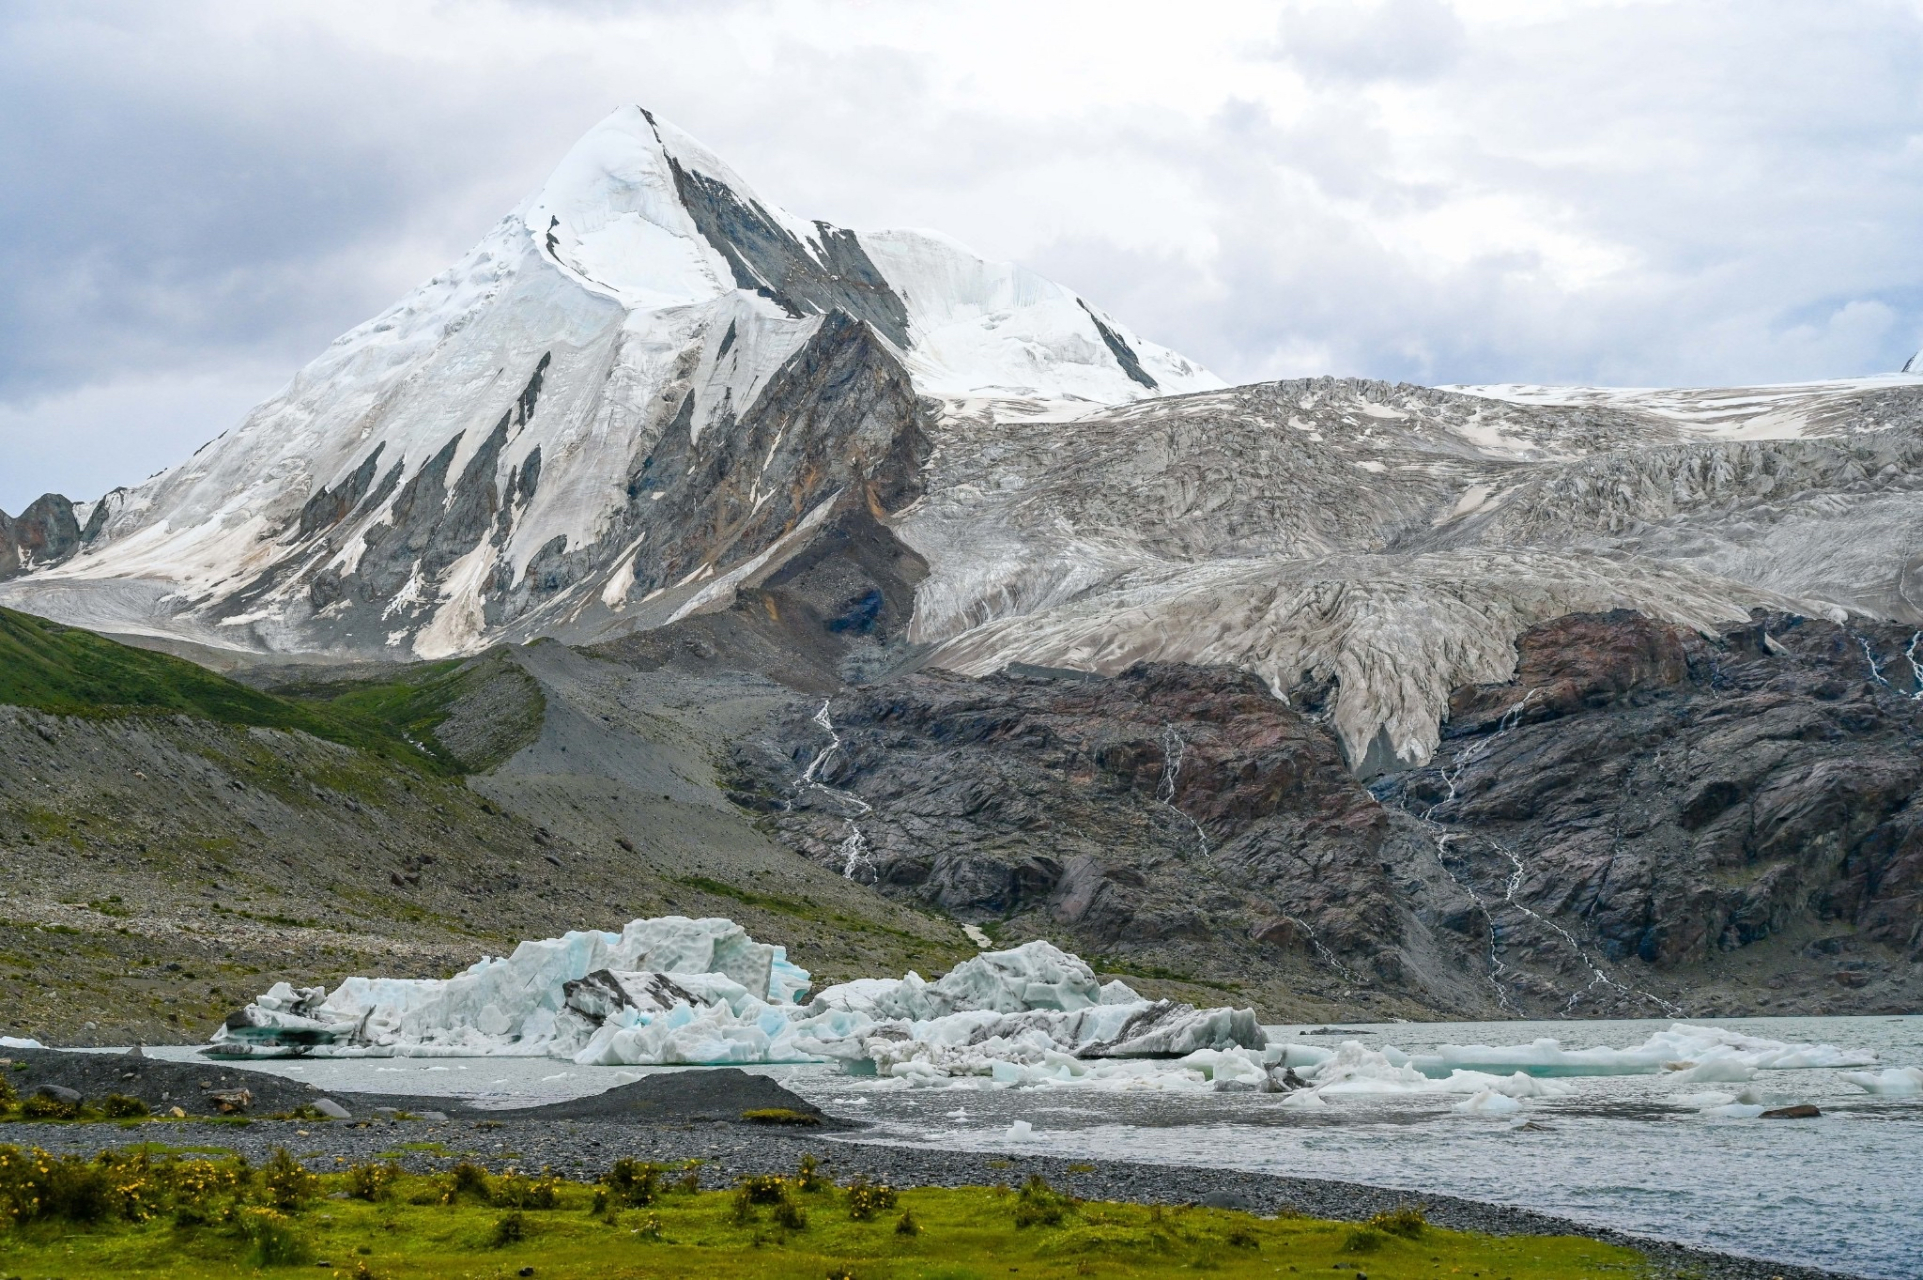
[1489,1103]
[1718,1068]
[1304,1098]
[1704,1101]
[1020,1131]
[1746,1105]
[1894,1080]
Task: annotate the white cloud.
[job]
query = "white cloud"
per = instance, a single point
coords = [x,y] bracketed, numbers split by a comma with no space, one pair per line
[1630,191]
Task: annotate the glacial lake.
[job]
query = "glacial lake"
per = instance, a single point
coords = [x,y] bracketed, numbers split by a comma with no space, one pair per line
[1641,1153]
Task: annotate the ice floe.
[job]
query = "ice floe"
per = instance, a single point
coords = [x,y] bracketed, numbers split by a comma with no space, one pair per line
[1713,1053]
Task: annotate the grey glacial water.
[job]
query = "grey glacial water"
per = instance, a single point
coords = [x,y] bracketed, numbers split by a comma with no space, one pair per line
[1844,1191]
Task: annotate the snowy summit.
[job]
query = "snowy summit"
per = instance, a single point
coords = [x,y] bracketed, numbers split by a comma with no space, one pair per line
[525,442]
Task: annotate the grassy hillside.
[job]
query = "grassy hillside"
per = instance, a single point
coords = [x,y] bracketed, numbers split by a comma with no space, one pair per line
[66,671]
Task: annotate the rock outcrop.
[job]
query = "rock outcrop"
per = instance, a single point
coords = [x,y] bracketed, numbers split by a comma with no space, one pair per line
[43,535]
[1742,809]
[1647,820]
[1180,814]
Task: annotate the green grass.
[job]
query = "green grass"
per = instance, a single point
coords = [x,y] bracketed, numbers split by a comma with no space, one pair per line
[68,671]
[444,1228]
[416,700]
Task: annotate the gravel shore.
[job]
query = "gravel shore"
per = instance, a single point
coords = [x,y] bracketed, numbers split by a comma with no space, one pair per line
[584,1148]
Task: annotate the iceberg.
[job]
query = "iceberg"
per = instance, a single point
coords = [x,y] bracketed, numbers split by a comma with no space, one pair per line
[1894,1080]
[675,991]
[519,1005]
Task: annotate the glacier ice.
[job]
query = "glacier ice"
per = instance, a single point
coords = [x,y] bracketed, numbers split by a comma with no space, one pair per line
[672,991]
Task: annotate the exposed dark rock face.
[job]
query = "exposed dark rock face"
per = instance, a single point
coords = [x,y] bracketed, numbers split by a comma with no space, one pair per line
[328,507]
[1642,798]
[836,613]
[1646,821]
[1123,353]
[44,534]
[1171,812]
[840,416]
[766,259]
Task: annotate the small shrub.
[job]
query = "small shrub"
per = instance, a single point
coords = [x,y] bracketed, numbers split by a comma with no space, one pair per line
[118,1106]
[511,1229]
[305,1111]
[650,1228]
[769,1189]
[689,1182]
[780,1115]
[9,1099]
[1242,1238]
[907,1226]
[790,1216]
[514,1191]
[199,1183]
[275,1239]
[764,1188]
[137,1189]
[372,1182]
[810,1180]
[1364,1240]
[44,1106]
[1040,1205]
[35,1185]
[286,1183]
[866,1199]
[1407,1222]
[633,1183]
[466,1180]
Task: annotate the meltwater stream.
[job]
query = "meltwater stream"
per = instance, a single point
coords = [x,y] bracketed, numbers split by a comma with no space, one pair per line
[1637,1152]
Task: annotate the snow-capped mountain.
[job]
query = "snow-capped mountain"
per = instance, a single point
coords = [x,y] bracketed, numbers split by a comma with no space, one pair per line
[647,388]
[636,389]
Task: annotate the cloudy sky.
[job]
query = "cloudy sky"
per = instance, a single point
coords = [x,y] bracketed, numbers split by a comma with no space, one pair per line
[198,195]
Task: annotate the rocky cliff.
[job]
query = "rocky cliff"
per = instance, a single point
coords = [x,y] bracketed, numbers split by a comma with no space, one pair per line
[43,535]
[1646,821]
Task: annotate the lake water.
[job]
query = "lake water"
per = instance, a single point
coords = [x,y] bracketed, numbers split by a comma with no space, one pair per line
[1844,1191]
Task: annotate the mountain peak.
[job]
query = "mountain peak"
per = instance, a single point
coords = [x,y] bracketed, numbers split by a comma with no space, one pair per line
[637,388]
